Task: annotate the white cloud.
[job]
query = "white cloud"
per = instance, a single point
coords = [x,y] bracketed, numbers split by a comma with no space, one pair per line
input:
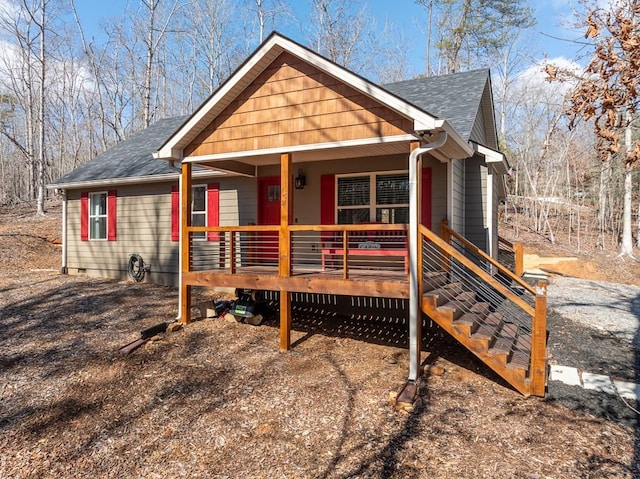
[536,76]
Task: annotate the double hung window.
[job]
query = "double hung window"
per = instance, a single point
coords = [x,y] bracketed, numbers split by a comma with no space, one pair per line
[98,216]
[373,197]
[199,209]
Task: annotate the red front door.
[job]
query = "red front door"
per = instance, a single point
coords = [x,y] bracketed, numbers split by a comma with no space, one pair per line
[268,214]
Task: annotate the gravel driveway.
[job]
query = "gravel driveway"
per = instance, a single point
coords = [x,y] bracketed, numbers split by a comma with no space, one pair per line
[595,327]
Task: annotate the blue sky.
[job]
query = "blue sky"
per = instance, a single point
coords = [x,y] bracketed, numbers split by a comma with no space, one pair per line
[543,42]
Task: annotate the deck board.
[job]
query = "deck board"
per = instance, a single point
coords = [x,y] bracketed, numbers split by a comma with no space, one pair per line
[361,282]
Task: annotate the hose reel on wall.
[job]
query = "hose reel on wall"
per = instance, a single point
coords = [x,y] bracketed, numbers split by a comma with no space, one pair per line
[136,268]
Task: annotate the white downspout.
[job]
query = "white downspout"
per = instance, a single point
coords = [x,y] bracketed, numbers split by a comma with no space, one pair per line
[415,312]
[179,315]
[64,267]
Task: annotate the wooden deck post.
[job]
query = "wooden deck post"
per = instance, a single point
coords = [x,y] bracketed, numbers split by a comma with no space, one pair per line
[445,234]
[539,342]
[284,247]
[185,241]
[518,259]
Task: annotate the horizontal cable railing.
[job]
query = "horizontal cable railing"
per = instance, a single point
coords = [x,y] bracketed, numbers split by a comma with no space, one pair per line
[483,292]
[481,258]
[313,248]
[511,255]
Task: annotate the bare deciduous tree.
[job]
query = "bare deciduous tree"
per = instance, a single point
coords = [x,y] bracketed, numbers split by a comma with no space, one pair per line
[608,92]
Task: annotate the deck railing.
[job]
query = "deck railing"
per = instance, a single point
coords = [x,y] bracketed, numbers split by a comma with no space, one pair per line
[511,255]
[330,248]
[522,306]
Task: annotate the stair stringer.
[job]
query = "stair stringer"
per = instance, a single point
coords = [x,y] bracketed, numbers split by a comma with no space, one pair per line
[479,347]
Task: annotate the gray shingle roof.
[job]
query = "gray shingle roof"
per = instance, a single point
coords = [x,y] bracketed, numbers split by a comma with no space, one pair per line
[132,157]
[455,98]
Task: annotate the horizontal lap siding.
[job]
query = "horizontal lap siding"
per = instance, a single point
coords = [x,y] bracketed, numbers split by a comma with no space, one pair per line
[476,202]
[292,103]
[457,196]
[438,191]
[144,227]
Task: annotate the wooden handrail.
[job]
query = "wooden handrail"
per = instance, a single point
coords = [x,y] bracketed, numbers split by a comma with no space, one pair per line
[357,227]
[294,228]
[232,229]
[474,249]
[451,251]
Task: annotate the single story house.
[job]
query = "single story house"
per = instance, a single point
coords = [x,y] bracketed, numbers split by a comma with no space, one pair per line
[299,176]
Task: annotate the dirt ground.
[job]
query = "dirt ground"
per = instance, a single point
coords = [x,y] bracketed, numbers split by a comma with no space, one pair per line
[217,399]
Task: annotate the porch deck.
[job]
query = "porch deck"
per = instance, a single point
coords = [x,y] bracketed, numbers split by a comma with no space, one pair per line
[361,281]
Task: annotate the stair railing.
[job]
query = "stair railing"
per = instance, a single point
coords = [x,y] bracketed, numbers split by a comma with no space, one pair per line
[450,234]
[511,254]
[523,306]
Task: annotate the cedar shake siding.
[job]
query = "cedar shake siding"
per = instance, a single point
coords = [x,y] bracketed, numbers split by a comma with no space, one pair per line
[292,103]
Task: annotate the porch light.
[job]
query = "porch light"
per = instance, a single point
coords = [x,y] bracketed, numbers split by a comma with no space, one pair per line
[300,180]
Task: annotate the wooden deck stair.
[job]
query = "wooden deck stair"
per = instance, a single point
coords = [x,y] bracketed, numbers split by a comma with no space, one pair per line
[496,341]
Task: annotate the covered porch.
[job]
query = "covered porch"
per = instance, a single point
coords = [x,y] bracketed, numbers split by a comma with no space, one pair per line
[370,258]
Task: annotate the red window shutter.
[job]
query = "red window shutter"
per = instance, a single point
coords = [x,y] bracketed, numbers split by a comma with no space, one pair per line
[328,199]
[175,213]
[112,196]
[84,216]
[426,197]
[213,209]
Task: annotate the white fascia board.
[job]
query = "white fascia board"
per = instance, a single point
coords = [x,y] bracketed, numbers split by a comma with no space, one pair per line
[299,148]
[132,180]
[493,157]
[464,146]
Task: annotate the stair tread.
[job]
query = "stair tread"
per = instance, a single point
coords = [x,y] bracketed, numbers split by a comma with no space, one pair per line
[502,345]
[462,300]
[480,308]
[519,360]
[450,289]
[485,331]
[444,293]
[434,279]
[523,342]
[510,328]
[468,319]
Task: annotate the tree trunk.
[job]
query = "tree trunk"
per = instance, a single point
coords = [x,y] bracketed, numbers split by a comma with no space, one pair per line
[41,130]
[605,181]
[626,245]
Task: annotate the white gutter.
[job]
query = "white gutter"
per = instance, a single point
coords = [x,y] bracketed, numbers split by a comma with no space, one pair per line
[134,180]
[415,313]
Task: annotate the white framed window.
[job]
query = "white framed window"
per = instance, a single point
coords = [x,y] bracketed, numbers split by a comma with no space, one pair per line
[380,197]
[98,216]
[199,209]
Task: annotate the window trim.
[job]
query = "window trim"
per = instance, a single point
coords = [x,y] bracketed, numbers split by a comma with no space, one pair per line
[373,205]
[90,216]
[205,213]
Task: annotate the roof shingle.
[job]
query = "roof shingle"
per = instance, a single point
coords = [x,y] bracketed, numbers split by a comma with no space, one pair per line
[132,157]
[455,98]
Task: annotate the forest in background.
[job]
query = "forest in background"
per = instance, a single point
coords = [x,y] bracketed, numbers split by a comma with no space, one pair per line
[66,95]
